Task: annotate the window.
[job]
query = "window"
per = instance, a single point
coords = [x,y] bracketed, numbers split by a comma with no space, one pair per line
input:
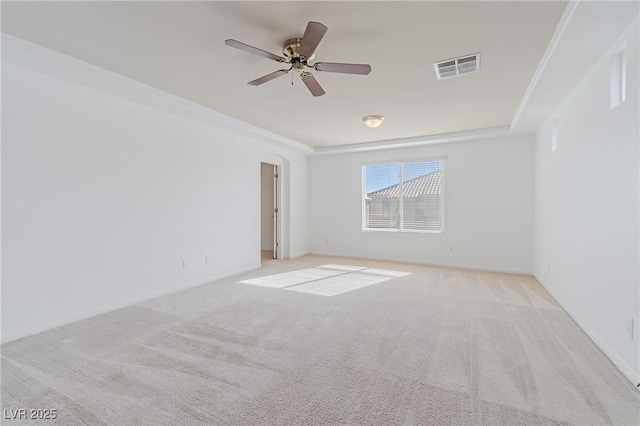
[403,196]
[618,81]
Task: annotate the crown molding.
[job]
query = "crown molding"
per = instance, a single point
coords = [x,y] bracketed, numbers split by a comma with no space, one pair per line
[546,56]
[585,31]
[36,58]
[415,141]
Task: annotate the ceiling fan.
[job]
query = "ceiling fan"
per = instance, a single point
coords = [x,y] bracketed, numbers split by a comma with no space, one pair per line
[298,53]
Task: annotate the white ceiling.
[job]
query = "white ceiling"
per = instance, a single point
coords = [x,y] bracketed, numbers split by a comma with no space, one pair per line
[179,47]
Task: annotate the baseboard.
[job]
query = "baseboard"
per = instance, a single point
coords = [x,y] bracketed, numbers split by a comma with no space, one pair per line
[627,371]
[435,264]
[103,309]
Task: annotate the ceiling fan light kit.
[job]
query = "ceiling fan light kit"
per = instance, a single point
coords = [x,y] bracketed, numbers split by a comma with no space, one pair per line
[298,52]
[373,121]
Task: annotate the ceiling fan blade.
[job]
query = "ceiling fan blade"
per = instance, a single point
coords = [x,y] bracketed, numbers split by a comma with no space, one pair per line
[311,38]
[242,46]
[268,77]
[361,69]
[312,84]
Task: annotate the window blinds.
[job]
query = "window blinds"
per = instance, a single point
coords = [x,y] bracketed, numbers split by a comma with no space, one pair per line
[403,196]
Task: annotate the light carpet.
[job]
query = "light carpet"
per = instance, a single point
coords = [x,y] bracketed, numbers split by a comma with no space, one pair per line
[436,347]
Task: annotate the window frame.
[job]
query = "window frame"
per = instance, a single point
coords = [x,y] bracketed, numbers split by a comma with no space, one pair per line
[401,162]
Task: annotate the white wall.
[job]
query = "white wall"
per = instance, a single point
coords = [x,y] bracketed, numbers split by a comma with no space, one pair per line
[488,207]
[266,206]
[104,198]
[587,208]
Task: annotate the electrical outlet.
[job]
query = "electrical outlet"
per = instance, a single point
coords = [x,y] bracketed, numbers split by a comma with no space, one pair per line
[450,249]
[184,264]
[206,260]
[631,328]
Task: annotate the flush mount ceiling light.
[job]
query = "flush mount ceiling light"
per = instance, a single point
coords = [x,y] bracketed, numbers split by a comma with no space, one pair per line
[373,121]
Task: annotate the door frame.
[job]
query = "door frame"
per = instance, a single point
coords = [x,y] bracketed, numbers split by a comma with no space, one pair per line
[282,251]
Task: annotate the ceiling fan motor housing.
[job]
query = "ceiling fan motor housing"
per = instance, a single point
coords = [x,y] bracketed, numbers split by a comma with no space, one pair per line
[290,50]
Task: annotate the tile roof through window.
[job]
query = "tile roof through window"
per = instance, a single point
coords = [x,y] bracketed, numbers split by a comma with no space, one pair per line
[429,184]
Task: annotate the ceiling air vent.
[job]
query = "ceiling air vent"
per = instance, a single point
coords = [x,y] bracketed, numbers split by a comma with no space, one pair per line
[458,66]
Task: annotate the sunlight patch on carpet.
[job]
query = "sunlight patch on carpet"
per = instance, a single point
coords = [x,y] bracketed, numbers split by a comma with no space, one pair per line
[385,272]
[327,280]
[344,268]
[287,279]
[340,284]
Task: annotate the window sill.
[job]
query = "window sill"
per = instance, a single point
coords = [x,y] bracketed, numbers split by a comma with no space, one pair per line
[403,231]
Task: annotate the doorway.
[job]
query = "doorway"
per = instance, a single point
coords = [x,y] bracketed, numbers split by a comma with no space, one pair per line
[269,212]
